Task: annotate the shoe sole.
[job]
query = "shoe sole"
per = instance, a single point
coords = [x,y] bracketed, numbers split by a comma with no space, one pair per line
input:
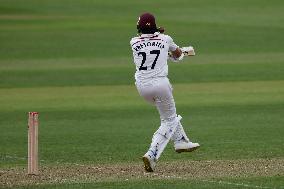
[187,150]
[147,164]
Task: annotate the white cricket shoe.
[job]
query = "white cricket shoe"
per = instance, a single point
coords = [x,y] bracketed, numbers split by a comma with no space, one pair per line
[149,162]
[186,146]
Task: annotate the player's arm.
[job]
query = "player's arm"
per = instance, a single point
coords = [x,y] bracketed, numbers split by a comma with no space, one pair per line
[177,53]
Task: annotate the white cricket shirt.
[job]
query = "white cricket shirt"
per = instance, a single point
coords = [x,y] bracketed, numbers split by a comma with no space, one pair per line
[150,53]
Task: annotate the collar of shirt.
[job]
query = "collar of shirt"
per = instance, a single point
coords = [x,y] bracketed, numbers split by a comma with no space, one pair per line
[149,35]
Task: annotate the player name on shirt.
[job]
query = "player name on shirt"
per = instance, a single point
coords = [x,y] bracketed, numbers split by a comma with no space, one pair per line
[147,44]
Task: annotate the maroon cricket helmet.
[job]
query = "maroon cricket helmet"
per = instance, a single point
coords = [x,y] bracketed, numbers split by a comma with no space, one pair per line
[146,23]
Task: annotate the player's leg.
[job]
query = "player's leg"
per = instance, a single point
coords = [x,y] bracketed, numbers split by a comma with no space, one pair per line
[148,92]
[159,141]
[160,94]
[181,141]
[164,102]
[166,106]
[162,97]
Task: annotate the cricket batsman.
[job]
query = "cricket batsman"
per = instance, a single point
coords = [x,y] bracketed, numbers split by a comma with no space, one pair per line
[151,50]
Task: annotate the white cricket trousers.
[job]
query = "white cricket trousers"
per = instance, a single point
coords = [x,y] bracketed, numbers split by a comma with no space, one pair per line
[158,91]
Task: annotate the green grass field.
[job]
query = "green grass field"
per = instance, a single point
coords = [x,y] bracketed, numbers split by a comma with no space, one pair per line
[71,61]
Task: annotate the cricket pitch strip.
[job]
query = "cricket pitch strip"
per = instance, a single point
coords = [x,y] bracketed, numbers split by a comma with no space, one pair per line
[198,170]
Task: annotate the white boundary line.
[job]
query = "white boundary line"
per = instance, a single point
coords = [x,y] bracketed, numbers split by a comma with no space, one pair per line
[243,185]
[237,184]
[13,157]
